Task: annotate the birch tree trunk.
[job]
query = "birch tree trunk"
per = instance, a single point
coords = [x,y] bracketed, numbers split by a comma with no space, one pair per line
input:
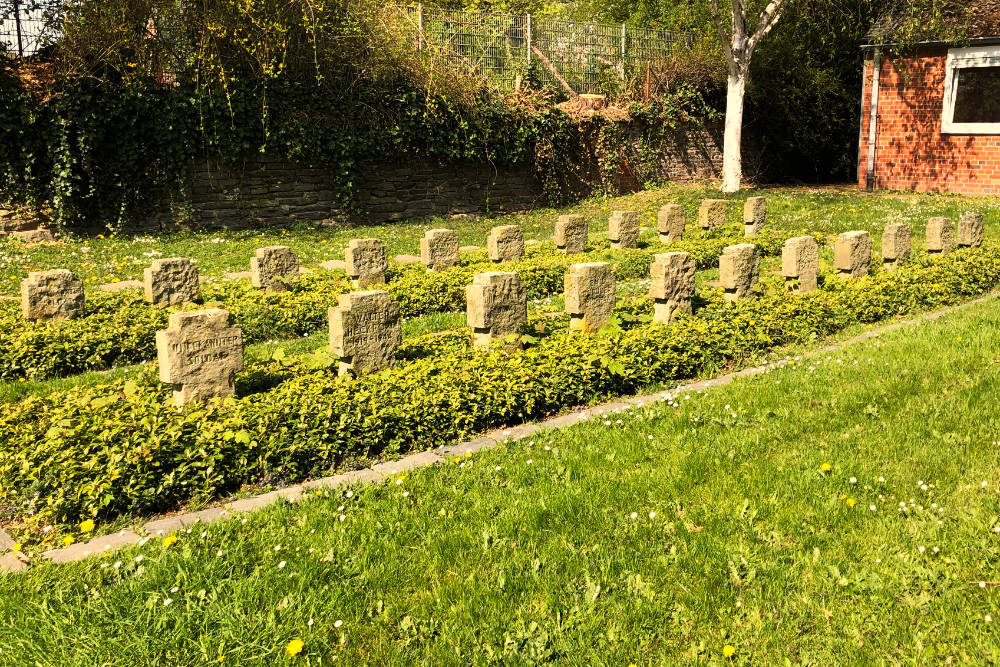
[732,156]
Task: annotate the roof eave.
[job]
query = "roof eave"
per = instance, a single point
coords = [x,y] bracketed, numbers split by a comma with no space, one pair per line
[976,41]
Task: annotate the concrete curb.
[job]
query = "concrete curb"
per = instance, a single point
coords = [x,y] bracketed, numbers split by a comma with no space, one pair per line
[14,562]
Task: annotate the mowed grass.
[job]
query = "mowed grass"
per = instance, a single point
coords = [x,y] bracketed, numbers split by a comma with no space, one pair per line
[831,210]
[839,510]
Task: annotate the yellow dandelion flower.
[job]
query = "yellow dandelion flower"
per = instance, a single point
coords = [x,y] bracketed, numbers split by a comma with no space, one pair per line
[68,540]
[16,547]
[826,467]
[87,526]
[728,650]
[294,647]
[169,541]
[851,502]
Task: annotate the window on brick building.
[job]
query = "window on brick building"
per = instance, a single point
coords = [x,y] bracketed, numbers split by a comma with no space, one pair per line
[972,91]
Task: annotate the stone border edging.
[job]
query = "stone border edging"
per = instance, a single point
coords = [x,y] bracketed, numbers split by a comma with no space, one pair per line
[11,562]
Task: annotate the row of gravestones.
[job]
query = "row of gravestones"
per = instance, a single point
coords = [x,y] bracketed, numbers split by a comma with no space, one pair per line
[59,295]
[201,352]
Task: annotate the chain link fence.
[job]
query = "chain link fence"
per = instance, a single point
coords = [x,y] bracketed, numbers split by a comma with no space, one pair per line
[28,26]
[589,57]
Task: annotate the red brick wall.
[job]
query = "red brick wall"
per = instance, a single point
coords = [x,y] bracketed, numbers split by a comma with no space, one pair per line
[910,151]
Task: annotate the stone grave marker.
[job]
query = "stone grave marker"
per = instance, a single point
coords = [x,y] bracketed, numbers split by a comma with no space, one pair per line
[571,234]
[971,229]
[670,222]
[200,353]
[590,295]
[439,249]
[52,295]
[754,215]
[366,261]
[852,254]
[739,269]
[940,236]
[272,267]
[672,287]
[497,305]
[712,213]
[171,282]
[365,331]
[505,244]
[800,264]
[623,229]
[896,245]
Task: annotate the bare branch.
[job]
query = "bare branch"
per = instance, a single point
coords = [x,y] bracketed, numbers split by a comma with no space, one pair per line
[724,36]
[768,18]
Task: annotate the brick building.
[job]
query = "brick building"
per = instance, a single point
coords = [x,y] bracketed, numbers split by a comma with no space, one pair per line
[930,113]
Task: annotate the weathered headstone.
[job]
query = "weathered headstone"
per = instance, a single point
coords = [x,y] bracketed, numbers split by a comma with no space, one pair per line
[670,223]
[365,331]
[439,249]
[940,236]
[366,261]
[672,287]
[971,230]
[272,267]
[712,213]
[170,282]
[754,215]
[52,295]
[896,245]
[590,295]
[505,244]
[571,234]
[497,305]
[40,235]
[200,353]
[800,264]
[852,254]
[739,269]
[623,229]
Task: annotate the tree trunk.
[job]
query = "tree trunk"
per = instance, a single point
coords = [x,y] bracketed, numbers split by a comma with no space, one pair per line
[732,159]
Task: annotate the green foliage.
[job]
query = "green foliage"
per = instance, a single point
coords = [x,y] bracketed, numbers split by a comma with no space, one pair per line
[122,448]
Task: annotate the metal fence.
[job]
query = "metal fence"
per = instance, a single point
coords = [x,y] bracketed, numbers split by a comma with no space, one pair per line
[27,26]
[590,57]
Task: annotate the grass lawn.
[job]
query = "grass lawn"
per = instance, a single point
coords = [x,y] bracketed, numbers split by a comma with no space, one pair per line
[839,510]
[832,210]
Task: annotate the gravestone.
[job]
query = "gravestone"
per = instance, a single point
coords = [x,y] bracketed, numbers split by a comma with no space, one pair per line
[739,269]
[590,295]
[940,236]
[171,282]
[52,295]
[754,215]
[672,287]
[439,249]
[800,264]
[365,331]
[971,229]
[896,245]
[366,261]
[571,234]
[712,213]
[852,254]
[670,223]
[497,305]
[200,353]
[505,244]
[272,267]
[623,229]
[40,235]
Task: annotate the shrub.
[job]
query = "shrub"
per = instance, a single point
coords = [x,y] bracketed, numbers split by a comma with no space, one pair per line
[122,448]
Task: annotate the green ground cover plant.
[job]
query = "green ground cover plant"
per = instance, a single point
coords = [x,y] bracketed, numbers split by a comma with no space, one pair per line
[120,328]
[839,510]
[121,448]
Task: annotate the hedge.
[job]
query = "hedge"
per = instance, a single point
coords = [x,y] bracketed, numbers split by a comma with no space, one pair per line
[123,449]
[119,329]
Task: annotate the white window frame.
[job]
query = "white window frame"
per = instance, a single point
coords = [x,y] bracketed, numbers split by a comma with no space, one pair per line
[976,56]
